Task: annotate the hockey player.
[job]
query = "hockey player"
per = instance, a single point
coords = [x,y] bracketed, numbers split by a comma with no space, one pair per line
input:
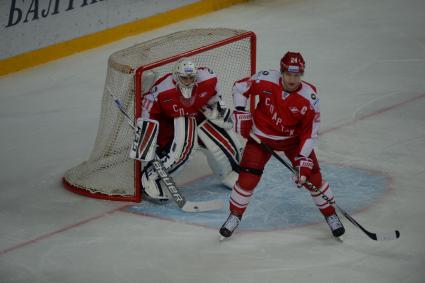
[187,108]
[287,119]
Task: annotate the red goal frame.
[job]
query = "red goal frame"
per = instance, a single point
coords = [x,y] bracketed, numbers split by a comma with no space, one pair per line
[137,197]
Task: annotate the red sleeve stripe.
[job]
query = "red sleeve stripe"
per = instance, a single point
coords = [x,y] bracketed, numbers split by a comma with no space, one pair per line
[146,104]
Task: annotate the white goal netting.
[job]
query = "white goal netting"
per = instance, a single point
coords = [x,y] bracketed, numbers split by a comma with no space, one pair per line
[108,172]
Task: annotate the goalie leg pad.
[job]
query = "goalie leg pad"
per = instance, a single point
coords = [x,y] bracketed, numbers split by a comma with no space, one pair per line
[152,187]
[145,137]
[222,151]
[182,146]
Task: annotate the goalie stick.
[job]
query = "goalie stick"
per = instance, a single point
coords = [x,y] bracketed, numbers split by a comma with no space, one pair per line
[374,236]
[185,205]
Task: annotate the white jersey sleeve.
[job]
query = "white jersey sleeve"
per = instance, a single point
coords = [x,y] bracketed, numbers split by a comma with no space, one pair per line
[310,135]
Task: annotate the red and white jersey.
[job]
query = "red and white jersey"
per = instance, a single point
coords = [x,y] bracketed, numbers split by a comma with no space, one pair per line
[164,101]
[281,115]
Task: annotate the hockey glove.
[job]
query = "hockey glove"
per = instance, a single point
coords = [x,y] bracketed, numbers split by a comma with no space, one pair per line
[145,137]
[242,122]
[218,115]
[304,167]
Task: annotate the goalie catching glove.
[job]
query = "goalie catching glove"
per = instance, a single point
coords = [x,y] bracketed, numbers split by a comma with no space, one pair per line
[218,114]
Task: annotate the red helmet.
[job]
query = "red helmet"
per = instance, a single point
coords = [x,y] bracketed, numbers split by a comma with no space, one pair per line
[292,62]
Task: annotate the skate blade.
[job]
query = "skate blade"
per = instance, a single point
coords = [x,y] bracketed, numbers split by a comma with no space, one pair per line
[223,239]
[339,239]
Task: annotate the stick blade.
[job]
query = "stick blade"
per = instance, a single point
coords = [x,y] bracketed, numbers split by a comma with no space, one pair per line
[200,206]
[387,236]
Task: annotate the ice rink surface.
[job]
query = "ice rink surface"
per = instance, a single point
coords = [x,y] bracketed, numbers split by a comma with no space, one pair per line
[367,59]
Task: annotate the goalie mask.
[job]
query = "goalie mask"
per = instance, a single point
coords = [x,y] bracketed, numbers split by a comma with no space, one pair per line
[184,74]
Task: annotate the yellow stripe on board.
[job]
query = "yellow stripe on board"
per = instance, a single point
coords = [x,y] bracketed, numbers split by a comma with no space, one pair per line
[66,48]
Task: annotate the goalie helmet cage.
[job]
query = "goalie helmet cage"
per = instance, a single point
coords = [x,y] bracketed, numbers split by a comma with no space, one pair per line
[109,173]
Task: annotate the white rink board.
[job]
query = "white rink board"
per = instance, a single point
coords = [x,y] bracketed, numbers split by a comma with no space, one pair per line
[52,23]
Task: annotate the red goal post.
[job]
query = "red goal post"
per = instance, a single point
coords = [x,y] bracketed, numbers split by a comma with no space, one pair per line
[105,175]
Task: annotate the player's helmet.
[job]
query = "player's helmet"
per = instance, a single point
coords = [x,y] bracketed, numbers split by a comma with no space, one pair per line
[292,62]
[184,74]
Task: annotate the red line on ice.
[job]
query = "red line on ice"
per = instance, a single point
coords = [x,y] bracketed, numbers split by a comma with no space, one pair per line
[66,228]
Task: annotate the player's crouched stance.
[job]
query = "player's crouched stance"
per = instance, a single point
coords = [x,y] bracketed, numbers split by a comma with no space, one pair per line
[286,119]
[181,111]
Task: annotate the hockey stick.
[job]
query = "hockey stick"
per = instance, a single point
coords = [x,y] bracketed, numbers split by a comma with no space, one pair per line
[374,236]
[185,205]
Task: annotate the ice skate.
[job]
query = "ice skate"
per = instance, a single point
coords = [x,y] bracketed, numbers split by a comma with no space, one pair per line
[230,225]
[335,224]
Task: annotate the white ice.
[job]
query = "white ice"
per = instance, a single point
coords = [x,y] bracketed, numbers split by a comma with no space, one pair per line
[367,59]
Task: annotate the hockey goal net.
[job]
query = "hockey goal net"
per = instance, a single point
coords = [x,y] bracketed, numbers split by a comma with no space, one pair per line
[109,173]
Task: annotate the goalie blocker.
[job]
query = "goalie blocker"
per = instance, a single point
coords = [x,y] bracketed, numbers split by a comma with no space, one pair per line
[145,137]
[221,147]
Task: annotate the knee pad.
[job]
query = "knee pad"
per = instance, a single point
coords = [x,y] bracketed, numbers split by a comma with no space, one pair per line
[182,145]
